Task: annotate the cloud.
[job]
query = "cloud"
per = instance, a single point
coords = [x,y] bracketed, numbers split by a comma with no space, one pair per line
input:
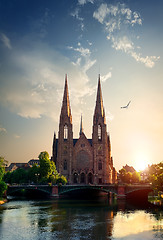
[3,129]
[34,85]
[82,2]
[83,51]
[16,136]
[75,14]
[5,40]
[105,77]
[127,46]
[116,20]
[123,44]
[84,60]
[149,61]
[115,16]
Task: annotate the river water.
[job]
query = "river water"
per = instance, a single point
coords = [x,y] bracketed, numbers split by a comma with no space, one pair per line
[76,219]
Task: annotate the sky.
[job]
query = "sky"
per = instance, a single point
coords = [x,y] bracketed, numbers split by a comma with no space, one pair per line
[41,41]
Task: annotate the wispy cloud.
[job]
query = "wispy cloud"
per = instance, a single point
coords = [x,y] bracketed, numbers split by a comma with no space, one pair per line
[5,40]
[3,129]
[106,77]
[116,19]
[34,86]
[82,2]
[84,59]
[16,136]
[75,14]
[126,45]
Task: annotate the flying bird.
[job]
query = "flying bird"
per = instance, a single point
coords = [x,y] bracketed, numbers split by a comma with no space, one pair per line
[126,105]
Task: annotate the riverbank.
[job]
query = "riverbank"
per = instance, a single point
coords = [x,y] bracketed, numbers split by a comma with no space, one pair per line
[156,200]
[2,201]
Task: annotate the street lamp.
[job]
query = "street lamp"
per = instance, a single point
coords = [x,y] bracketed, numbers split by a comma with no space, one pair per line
[37,175]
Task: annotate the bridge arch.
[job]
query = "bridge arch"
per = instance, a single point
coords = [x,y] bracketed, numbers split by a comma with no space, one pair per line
[45,190]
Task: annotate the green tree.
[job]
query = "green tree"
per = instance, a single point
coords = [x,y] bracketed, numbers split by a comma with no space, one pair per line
[45,165]
[19,176]
[48,170]
[3,188]
[61,179]
[2,167]
[34,174]
[135,177]
[122,175]
[7,177]
[156,176]
[128,177]
[3,185]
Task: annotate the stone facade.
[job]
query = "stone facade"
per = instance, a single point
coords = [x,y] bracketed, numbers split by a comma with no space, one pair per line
[84,161]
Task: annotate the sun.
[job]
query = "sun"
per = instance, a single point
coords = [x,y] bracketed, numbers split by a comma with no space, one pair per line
[141,162]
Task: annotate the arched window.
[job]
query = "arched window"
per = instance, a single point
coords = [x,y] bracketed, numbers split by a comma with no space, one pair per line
[65,165]
[99,165]
[99,132]
[82,179]
[65,132]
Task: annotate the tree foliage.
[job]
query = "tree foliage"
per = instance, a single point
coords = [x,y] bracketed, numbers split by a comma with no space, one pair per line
[128,177]
[3,185]
[45,173]
[155,172]
[45,165]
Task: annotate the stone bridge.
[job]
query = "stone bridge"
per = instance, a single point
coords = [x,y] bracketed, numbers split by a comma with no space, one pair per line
[134,191]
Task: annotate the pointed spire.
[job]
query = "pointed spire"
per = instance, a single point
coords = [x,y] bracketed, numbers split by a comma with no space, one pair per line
[81,126]
[54,148]
[66,103]
[99,109]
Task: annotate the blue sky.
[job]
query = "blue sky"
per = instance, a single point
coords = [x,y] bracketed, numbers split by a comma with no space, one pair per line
[41,41]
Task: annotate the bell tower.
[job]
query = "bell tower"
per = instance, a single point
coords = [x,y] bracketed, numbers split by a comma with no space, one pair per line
[65,137]
[102,168]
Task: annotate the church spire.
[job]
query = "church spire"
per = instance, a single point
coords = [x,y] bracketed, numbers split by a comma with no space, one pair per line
[66,111]
[81,126]
[99,109]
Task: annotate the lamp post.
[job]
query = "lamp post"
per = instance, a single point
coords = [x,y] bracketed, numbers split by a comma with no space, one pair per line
[37,175]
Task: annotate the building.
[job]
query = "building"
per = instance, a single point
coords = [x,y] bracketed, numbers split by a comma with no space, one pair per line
[34,161]
[14,166]
[82,160]
[129,168]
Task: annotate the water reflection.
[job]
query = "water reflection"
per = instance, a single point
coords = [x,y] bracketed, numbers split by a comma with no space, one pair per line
[68,219]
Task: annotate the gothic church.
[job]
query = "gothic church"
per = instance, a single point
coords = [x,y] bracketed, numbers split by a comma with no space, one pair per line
[83,161]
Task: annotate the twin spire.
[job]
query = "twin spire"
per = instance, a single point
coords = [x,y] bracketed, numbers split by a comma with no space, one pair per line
[81,126]
[66,110]
[99,108]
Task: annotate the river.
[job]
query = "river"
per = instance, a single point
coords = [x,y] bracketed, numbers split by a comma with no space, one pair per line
[76,219]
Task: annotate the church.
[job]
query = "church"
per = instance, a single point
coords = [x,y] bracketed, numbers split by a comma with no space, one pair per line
[82,160]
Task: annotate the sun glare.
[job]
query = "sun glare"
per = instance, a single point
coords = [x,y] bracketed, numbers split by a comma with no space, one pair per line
[141,162]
